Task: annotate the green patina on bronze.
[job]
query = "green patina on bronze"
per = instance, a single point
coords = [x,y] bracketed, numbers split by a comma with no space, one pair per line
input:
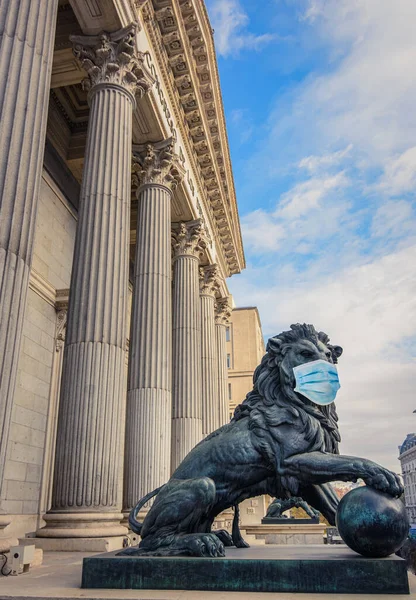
[313,570]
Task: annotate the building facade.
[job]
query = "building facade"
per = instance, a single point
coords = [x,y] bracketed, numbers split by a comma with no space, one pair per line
[245,349]
[407,457]
[118,230]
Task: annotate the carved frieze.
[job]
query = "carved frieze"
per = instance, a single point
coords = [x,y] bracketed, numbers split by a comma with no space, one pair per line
[209,280]
[157,164]
[113,58]
[189,240]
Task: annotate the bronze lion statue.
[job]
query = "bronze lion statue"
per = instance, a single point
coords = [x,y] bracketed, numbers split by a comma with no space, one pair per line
[278,442]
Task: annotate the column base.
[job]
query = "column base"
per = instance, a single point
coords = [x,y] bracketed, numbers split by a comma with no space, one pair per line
[82,525]
[78,544]
[6,541]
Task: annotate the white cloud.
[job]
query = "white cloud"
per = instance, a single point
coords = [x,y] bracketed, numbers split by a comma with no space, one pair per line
[230,24]
[315,163]
[308,195]
[400,174]
[393,220]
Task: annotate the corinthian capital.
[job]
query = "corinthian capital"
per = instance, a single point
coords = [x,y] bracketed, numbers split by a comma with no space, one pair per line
[189,239]
[209,280]
[113,59]
[223,311]
[157,164]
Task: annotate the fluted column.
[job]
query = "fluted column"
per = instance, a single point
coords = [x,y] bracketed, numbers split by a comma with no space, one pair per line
[27,33]
[222,321]
[86,500]
[188,244]
[209,286]
[149,396]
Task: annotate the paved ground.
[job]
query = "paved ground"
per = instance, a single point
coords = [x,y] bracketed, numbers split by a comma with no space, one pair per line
[59,577]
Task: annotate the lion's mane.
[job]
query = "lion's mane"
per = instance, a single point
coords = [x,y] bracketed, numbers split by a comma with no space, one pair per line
[273,402]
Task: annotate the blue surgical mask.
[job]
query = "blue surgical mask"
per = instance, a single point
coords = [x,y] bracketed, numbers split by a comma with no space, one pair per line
[318,381]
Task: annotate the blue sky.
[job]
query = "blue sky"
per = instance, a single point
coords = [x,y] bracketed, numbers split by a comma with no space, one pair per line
[320,101]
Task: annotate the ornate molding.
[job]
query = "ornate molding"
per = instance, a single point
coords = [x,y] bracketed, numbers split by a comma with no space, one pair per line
[43,288]
[112,58]
[190,239]
[181,36]
[61,319]
[223,311]
[156,163]
[209,280]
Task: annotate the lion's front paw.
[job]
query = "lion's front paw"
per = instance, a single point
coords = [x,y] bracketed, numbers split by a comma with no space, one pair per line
[384,480]
[208,544]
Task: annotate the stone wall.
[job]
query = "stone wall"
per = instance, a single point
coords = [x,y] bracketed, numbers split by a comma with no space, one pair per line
[54,242]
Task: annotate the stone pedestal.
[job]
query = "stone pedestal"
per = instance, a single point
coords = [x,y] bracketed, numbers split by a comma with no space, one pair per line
[288,534]
[209,286]
[222,321]
[188,244]
[308,570]
[27,33]
[86,497]
[149,399]
[6,541]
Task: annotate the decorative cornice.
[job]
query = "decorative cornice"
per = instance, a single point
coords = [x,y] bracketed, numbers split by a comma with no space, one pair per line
[209,280]
[223,311]
[189,240]
[156,163]
[112,58]
[182,42]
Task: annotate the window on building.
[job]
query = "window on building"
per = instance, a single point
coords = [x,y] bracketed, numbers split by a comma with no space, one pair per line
[229,392]
[228,361]
[228,334]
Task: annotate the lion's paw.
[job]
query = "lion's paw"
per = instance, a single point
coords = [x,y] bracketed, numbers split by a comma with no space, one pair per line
[207,544]
[384,480]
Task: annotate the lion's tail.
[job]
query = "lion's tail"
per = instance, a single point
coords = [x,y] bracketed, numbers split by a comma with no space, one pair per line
[134,524]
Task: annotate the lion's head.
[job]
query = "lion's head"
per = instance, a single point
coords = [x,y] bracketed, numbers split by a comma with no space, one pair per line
[273,401]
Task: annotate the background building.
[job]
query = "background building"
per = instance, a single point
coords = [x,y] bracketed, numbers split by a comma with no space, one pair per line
[115,183]
[245,349]
[407,457]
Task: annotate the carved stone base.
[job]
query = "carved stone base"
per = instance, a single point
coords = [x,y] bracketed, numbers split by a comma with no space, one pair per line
[97,544]
[288,534]
[6,541]
[82,525]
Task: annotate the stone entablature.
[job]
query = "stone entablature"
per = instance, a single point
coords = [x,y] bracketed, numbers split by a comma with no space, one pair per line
[182,29]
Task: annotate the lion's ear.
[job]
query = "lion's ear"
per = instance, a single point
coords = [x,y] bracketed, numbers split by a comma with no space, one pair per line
[337,350]
[274,345]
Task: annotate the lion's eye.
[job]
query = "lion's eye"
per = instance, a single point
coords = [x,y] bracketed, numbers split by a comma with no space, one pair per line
[307,353]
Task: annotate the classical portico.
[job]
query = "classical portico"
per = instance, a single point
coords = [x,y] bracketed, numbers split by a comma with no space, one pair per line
[133,216]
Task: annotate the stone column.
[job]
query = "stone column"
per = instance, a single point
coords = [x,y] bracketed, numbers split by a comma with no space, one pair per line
[222,321]
[209,286]
[188,243]
[86,499]
[27,34]
[149,396]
